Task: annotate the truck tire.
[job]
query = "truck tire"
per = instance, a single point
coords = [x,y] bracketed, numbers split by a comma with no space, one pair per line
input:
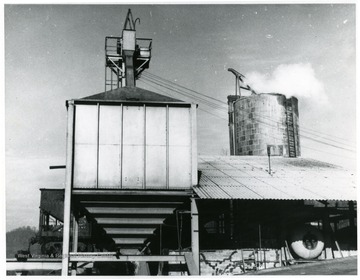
[306,241]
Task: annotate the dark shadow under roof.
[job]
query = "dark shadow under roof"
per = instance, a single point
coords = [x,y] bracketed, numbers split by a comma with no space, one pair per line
[52,202]
[131,94]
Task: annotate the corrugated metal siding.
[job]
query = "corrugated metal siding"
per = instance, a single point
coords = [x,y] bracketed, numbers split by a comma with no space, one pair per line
[247,177]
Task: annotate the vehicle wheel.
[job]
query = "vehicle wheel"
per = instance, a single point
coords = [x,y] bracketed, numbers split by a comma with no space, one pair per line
[306,241]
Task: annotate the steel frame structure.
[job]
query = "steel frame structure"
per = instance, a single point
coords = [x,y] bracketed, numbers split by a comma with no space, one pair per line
[115,74]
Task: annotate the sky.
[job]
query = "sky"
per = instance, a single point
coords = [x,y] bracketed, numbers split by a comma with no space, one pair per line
[56,52]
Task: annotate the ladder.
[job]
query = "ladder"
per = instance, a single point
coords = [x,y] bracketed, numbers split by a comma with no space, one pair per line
[290,129]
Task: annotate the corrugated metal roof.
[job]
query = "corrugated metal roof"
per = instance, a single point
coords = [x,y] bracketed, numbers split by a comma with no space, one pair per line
[131,94]
[247,177]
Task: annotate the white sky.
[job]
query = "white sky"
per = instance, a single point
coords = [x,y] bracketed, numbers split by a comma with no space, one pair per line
[55,53]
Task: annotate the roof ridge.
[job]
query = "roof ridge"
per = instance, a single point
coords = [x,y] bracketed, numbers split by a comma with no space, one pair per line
[130,94]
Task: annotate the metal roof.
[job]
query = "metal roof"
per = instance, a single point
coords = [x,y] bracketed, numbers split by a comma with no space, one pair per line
[247,177]
[130,94]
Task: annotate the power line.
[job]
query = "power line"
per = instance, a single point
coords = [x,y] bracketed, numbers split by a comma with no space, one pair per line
[206,102]
[224,103]
[188,89]
[173,96]
[216,106]
[268,118]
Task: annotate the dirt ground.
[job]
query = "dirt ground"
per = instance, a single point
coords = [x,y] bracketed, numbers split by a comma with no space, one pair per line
[343,266]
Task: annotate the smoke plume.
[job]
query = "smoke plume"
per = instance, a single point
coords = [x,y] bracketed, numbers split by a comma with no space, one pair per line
[297,80]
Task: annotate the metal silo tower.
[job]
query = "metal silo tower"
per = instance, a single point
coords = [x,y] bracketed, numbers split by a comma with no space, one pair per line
[261,121]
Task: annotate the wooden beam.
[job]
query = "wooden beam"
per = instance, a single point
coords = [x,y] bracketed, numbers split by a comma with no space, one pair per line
[57,166]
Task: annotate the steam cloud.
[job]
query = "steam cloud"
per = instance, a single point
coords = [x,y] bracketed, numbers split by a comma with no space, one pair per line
[291,80]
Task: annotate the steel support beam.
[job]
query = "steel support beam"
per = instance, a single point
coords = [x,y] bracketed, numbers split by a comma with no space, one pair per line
[96,192]
[38,264]
[111,257]
[194,152]
[132,210]
[130,221]
[68,182]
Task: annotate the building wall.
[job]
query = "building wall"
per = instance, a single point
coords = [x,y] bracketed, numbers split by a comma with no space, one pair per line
[260,121]
[232,262]
[240,261]
[134,147]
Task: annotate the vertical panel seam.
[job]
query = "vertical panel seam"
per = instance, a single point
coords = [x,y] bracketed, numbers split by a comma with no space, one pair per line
[144,175]
[167,147]
[191,145]
[121,144]
[73,147]
[97,145]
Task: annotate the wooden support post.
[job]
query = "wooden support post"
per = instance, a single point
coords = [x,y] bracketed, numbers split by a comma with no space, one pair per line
[352,216]
[68,182]
[282,235]
[40,221]
[123,80]
[291,258]
[338,247]
[242,259]
[75,234]
[47,221]
[195,233]
[327,233]
[160,240]
[75,238]
[231,218]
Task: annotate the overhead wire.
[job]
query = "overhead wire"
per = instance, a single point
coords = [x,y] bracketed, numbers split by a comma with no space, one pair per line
[171,86]
[212,105]
[147,83]
[184,94]
[304,129]
[180,86]
[306,136]
[272,120]
[307,130]
[181,92]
